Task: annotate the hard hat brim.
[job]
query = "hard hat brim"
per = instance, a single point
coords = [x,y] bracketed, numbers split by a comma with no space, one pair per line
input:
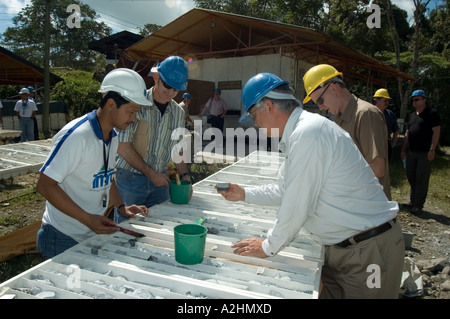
[245,118]
[141,101]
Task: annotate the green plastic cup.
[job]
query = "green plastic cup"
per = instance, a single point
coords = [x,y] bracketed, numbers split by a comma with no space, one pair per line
[179,194]
[190,243]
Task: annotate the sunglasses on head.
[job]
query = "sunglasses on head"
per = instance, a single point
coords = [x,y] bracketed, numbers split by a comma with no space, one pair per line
[167,86]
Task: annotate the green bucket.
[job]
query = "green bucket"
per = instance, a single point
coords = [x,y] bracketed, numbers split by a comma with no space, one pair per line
[179,194]
[190,242]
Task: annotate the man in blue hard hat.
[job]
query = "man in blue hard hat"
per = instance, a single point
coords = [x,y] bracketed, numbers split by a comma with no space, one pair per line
[419,147]
[325,188]
[145,148]
[35,123]
[187,98]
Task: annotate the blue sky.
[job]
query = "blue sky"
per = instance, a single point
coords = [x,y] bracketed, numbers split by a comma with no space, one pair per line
[131,15]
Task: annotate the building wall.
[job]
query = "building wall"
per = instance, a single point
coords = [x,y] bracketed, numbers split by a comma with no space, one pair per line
[241,69]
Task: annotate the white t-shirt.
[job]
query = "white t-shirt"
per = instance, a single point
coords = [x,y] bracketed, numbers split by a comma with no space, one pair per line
[77,162]
[25,108]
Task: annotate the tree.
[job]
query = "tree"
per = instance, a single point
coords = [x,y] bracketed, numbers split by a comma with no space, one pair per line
[78,90]
[68,45]
[148,29]
[440,25]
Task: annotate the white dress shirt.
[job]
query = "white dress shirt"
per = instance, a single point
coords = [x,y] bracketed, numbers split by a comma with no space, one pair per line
[324,186]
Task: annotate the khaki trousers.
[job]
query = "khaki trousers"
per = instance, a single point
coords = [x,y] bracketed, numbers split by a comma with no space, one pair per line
[371,269]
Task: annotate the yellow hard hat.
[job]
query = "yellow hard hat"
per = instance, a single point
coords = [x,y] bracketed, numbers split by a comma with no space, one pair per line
[382,93]
[316,76]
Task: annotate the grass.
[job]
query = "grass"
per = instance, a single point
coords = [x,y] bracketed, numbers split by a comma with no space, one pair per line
[439,189]
[438,196]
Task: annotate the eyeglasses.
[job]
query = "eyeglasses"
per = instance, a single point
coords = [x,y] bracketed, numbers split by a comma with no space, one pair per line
[415,100]
[320,99]
[252,115]
[167,86]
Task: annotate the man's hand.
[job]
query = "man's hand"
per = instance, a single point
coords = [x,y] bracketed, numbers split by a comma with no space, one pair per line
[133,210]
[250,247]
[234,193]
[160,179]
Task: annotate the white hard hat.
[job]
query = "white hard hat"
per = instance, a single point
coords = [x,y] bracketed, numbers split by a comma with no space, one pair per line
[128,83]
[24,91]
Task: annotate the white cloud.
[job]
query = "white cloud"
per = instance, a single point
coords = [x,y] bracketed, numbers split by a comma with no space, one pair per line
[408,6]
[12,7]
[131,15]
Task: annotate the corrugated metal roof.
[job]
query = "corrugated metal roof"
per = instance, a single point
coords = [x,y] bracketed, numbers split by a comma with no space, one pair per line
[202,33]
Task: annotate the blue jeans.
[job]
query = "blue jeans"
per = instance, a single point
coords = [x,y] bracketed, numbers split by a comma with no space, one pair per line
[26,125]
[135,188]
[51,242]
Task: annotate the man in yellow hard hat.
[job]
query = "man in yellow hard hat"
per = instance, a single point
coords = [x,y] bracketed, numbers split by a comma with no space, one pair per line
[363,121]
[382,98]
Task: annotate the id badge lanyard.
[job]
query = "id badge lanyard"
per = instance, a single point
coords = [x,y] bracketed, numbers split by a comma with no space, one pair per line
[105,163]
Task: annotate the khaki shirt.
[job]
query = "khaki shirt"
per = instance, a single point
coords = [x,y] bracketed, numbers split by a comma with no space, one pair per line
[367,127]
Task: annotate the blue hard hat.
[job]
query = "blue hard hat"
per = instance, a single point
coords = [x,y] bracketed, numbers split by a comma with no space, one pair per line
[174,71]
[31,89]
[187,96]
[256,88]
[218,90]
[418,93]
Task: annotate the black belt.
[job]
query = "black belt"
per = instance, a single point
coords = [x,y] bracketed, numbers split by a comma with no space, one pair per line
[366,235]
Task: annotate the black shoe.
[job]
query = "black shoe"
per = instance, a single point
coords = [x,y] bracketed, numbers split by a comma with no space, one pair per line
[416,210]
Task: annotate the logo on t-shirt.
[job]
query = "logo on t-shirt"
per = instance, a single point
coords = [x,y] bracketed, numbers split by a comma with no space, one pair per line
[101,179]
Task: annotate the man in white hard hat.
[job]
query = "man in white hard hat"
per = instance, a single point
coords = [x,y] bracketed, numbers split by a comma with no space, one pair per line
[77,177]
[26,111]
[145,148]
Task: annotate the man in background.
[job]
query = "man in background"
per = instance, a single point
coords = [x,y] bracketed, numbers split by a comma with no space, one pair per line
[25,110]
[187,99]
[35,123]
[382,99]
[419,148]
[217,110]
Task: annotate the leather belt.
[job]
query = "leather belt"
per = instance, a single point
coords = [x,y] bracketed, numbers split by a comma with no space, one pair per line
[366,235]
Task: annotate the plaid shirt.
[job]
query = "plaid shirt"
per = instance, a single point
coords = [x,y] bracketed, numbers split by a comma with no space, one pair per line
[160,143]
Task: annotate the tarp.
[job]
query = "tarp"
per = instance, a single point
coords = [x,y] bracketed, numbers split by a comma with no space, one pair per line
[19,242]
[206,34]
[16,70]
